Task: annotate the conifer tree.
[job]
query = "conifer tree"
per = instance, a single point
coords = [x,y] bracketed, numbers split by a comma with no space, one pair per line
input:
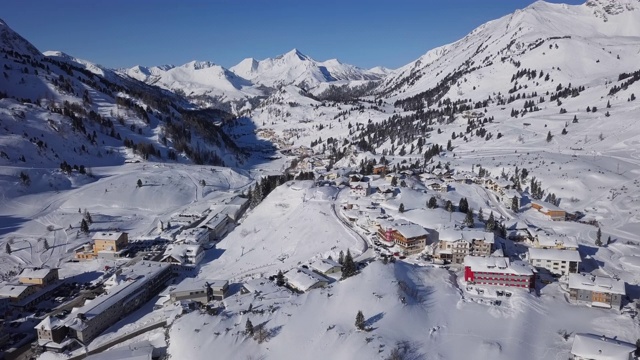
[349,266]
[468,220]
[280,278]
[599,237]
[45,244]
[515,204]
[360,320]
[449,206]
[249,328]
[87,216]
[433,203]
[139,183]
[480,215]
[84,227]
[8,248]
[491,223]
[401,208]
[341,258]
[549,136]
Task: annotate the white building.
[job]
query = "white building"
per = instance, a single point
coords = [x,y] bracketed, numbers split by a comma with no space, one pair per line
[218,226]
[183,255]
[359,188]
[326,266]
[594,347]
[559,262]
[304,279]
[199,235]
[546,241]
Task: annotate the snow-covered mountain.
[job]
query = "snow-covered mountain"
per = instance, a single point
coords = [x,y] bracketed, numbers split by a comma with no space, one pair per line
[583,44]
[55,108]
[203,81]
[295,68]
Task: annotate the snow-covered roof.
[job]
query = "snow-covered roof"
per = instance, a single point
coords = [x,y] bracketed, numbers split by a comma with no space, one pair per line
[193,234]
[324,265]
[551,241]
[215,221]
[503,182]
[35,273]
[238,201]
[106,235]
[50,323]
[515,225]
[181,251]
[452,235]
[13,290]
[359,185]
[546,206]
[303,279]
[589,346]
[410,231]
[199,284]
[497,265]
[596,283]
[138,275]
[554,254]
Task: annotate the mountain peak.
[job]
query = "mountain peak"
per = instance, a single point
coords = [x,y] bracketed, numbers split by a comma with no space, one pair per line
[614,7]
[199,65]
[293,54]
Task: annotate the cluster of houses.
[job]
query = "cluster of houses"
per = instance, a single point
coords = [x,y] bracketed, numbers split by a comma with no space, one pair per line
[126,291]
[193,233]
[484,263]
[32,286]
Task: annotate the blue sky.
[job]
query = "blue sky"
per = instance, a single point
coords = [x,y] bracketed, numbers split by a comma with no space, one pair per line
[366,33]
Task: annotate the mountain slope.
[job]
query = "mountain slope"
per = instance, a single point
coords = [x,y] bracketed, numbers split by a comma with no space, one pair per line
[205,83]
[56,109]
[570,43]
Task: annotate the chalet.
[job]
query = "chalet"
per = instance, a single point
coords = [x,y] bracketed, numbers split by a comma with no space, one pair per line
[559,262]
[304,280]
[360,188]
[436,185]
[384,193]
[498,185]
[379,169]
[326,267]
[553,212]
[596,291]
[38,276]
[454,245]
[517,231]
[594,347]
[498,271]
[200,290]
[183,256]
[547,241]
[389,177]
[411,238]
